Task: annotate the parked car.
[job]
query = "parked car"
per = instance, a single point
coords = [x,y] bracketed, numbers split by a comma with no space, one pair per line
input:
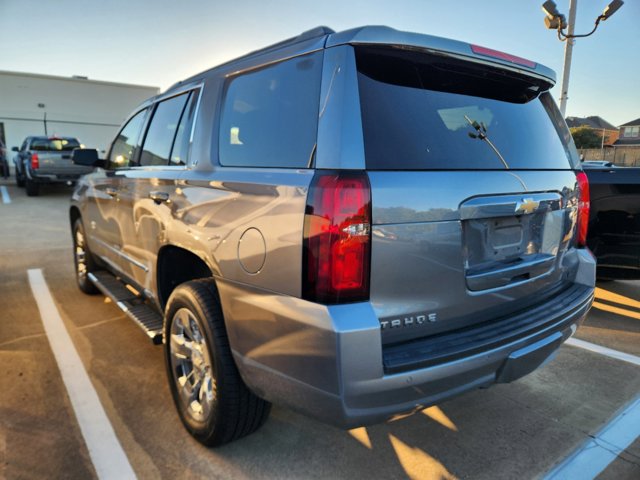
[614,220]
[597,164]
[355,225]
[43,159]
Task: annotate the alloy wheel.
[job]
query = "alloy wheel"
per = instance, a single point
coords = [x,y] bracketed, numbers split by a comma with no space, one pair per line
[81,255]
[191,365]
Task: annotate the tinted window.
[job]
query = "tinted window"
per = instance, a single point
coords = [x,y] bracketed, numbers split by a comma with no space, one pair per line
[270,116]
[180,150]
[422,111]
[124,146]
[54,144]
[162,131]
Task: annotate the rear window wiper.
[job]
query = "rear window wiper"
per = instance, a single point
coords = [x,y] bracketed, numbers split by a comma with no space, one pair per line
[481,133]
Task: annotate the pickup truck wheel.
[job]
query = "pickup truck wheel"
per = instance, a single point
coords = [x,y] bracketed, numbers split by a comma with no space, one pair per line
[33,189]
[214,404]
[83,260]
[19,179]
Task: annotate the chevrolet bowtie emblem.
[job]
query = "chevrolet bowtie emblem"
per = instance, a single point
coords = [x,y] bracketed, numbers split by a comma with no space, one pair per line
[526,205]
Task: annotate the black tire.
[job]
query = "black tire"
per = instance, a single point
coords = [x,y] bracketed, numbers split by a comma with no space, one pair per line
[82,259]
[233,410]
[4,169]
[33,189]
[19,179]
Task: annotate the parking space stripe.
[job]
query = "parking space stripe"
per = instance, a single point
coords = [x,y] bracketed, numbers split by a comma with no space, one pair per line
[105,450]
[598,452]
[5,194]
[609,352]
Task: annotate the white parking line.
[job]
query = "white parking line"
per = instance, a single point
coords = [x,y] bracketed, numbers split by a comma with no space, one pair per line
[5,194]
[598,452]
[105,450]
[609,352]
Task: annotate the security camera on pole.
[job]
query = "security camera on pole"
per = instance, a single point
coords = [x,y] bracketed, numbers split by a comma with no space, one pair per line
[554,20]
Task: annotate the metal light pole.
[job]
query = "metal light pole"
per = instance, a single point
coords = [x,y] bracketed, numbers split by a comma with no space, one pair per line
[568,50]
[554,20]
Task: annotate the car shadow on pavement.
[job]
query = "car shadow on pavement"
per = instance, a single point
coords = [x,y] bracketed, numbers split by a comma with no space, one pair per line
[614,320]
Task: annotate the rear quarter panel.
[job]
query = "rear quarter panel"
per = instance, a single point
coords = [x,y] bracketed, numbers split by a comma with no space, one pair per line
[219,208]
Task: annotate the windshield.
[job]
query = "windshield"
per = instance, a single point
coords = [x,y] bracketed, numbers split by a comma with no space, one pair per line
[54,144]
[422,111]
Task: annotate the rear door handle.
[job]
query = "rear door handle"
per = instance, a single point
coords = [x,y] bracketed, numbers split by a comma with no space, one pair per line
[111,191]
[159,197]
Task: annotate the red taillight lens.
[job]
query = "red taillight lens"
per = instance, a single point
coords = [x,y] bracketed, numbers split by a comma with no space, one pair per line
[583,208]
[35,161]
[488,52]
[337,238]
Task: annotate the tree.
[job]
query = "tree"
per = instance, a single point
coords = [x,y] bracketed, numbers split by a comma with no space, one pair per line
[585,137]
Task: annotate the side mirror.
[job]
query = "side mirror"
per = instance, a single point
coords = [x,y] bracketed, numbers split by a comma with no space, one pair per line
[87,157]
[15,149]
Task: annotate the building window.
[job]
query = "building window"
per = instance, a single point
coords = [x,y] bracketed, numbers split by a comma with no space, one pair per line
[631,132]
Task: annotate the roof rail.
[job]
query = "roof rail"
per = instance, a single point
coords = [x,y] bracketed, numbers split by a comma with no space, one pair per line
[315,32]
[306,35]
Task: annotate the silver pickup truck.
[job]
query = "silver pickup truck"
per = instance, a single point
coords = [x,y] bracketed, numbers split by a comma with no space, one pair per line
[43,159]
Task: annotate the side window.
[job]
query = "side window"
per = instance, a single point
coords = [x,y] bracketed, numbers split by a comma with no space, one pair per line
[180,150]
[126,142]
[162,131]
[270,116]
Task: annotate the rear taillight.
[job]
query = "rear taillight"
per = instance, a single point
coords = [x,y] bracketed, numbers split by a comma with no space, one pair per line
[35,161]
[337,238]
[583,209]
[488,52]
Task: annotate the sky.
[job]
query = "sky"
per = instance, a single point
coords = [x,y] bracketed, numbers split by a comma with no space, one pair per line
[160,42]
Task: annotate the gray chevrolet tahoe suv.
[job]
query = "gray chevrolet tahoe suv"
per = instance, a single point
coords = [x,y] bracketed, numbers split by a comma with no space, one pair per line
[355,225]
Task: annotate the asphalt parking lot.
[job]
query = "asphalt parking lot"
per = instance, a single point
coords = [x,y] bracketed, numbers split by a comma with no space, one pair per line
[519,430]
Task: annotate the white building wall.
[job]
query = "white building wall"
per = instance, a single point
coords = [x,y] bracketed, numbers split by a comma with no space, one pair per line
[90,110]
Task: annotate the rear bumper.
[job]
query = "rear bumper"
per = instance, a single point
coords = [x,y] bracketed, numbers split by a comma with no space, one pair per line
[52,176]
[329,363]
[534,323]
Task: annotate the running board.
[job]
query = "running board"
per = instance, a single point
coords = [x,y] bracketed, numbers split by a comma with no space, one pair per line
[130,303]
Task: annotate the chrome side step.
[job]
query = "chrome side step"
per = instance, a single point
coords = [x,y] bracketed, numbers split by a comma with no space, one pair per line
[133,305]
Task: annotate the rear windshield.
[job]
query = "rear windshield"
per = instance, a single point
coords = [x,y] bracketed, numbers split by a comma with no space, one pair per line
[54,144]
[423,111]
